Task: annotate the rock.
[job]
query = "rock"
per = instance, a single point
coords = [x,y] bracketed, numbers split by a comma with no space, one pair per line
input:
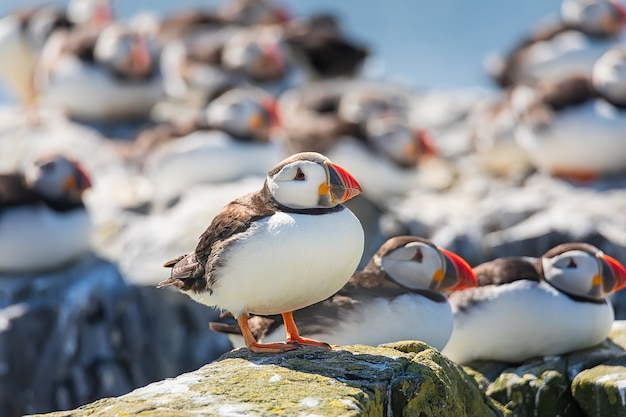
[82,333]
[579,384]
[601,390]
[407,378]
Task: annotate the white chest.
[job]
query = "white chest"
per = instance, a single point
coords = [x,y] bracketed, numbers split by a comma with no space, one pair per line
[37,238]
[288,261]
[523,320]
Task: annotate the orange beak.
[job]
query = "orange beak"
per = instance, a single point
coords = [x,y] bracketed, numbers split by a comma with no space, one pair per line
[426,142]
[141,60]
[621,11]
[271,106]
[341,184]
[617,270]
[464,273]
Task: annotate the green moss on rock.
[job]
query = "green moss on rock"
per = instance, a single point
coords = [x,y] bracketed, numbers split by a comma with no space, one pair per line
[601,390]
[407,379]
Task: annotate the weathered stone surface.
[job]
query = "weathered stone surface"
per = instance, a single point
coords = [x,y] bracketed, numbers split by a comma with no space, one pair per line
[82,333]
[408,378]
[601,390]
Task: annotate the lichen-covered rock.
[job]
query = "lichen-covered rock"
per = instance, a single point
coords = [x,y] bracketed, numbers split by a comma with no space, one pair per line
[409,379]
[82,333]
[551,386]
[601,390]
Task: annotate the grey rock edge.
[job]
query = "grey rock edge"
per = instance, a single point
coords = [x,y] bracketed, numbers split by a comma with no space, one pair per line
[399,379]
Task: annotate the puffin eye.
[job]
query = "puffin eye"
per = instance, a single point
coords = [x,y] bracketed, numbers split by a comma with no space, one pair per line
[48,166]
[299,175]
[418,256]
[571,263]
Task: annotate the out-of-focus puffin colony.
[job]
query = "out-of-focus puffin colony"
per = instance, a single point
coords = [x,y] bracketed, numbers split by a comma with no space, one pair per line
[173,117]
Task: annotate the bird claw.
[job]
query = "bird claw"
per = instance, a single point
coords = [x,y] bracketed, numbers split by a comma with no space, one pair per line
[303,341]
[271,347]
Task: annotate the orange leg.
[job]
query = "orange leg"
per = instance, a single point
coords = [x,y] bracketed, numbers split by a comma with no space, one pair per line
[294,337]
[256,347]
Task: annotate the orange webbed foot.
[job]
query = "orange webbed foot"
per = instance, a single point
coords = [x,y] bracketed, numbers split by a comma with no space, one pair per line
[271,347]
[303,341]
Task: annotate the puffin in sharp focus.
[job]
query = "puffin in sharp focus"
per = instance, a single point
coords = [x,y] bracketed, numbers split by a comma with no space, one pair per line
[399,295]
[569,46]
[574,128]
[43,221]
[284,247]
[531,307]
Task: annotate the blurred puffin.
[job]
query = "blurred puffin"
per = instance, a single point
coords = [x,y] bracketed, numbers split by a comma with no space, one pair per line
[231,139]
[198,65]
[527,307]
[574,128]
[569,47]
[43,222]
[362,124]
[24,32]
[94,75]
[399,295]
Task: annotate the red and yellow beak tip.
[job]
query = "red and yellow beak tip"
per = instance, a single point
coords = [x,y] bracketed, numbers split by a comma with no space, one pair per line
[341,178]
[618,271]
[467,278]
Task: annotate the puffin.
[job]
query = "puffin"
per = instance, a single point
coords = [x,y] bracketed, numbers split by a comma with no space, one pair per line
[116,65]
[493,138]
[287,246]
[569,46]
[321,49]
[529,307]
[253,12]
[44,224]
[363,125]
[217,56]
[573,128]
[232,137]
[398,295]
[24,32]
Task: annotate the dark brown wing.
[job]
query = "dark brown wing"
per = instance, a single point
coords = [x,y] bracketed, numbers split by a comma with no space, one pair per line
[508,75]
[14,192]
[196,271]
[321,44]
[505,270]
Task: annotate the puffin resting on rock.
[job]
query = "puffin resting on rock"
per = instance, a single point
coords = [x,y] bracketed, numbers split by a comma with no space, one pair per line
[526,307]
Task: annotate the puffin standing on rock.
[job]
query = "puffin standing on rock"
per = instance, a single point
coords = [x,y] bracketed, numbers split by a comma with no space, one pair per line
[284,247]
[397,296]
[527,307]
[43,222]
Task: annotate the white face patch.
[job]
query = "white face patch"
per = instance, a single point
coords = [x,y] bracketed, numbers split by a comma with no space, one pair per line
[572,272]
[413,265]
[297,184]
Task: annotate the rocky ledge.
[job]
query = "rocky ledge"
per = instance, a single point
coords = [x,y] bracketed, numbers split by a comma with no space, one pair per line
[404,378]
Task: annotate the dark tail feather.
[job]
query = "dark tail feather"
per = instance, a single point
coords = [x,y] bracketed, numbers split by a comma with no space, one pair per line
[224,328]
